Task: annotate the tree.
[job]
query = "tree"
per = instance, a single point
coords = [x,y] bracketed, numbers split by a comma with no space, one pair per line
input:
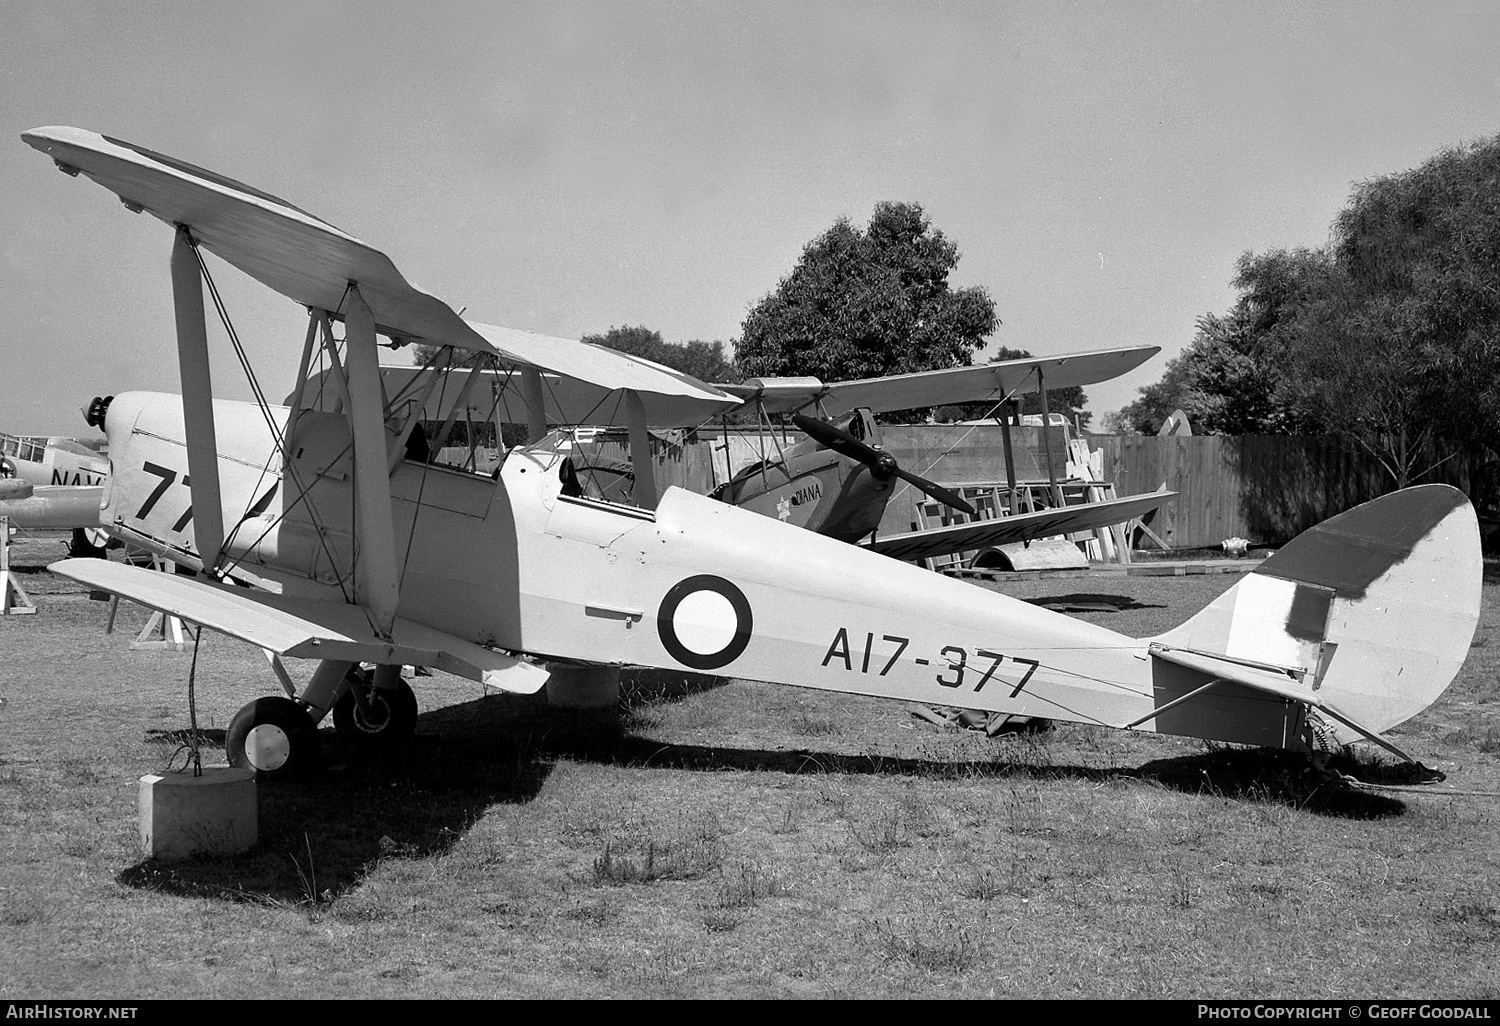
[1423,249]
[702,360]
[867,304]
[1175,391]
[1070,401]
[1230,378]
[423,354]
[1389,336]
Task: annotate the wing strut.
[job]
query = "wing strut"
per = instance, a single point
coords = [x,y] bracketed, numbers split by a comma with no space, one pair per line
[197,400]
[376,583]
[460,405]
[1041,387]
[640,450]
[331,350]
[288,434]
[536,403]
[438,369]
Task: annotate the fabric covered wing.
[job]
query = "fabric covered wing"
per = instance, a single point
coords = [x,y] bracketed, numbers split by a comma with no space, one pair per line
[301,256]
[580,385]
[303,628]
[1022,527]
[990,381]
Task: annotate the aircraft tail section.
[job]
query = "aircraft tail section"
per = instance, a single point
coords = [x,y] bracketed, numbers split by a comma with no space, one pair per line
[1367,617]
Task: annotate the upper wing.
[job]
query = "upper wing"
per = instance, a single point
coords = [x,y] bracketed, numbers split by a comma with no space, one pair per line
[994,381]
[301,256]
[304,628]
[1022,527]
[580,385]
[309,260]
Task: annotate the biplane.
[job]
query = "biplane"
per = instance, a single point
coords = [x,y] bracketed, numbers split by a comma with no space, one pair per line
[838,480]
[53,483]
[357,553]
[51,460]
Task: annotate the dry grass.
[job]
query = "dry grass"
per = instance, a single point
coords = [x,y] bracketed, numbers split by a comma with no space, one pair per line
[737,840]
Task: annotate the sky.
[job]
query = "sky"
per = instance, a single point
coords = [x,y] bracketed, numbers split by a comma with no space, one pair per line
[569,167]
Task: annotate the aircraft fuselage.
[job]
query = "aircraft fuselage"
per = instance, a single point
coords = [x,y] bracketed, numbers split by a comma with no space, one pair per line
[816,489]
[513,563]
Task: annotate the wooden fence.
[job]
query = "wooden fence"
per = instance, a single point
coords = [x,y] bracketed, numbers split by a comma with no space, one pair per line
[1266,488]
[1260,487]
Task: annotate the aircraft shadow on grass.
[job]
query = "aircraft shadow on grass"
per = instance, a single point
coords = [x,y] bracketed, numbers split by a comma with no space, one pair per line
[1092,602]
[319,838]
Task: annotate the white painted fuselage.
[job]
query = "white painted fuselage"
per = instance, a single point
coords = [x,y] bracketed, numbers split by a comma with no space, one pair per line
[513,563]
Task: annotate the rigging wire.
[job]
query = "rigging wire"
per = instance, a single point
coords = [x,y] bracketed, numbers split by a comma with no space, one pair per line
[277,439]
[948,446]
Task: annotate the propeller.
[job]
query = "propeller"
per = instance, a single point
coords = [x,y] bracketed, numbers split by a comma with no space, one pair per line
[881,463]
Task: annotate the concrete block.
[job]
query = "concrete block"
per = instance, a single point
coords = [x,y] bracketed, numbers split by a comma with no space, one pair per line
[182,815]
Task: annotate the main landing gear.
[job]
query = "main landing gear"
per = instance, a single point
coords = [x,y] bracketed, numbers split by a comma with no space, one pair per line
[277,738]
[375,717]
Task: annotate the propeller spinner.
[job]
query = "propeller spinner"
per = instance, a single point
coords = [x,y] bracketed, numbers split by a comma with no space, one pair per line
[881,463]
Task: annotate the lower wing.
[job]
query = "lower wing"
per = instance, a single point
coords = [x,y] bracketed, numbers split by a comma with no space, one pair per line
[305,628]
[1022,527]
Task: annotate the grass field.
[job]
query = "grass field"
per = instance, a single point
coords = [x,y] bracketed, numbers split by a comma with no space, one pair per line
[732,840]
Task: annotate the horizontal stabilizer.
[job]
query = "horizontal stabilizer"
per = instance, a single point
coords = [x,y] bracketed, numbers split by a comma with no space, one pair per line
[304,628]
[1273,680]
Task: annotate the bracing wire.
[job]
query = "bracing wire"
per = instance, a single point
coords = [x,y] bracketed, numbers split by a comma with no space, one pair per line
[276,435]
[948,446]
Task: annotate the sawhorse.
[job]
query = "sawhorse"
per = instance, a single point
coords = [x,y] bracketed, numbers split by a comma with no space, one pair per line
[13,598]
[162,630]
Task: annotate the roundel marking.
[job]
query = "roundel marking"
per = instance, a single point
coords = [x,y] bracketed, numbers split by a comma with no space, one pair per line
[704,622]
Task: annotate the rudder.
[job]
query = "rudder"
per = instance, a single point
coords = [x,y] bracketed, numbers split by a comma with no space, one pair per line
[1378,605]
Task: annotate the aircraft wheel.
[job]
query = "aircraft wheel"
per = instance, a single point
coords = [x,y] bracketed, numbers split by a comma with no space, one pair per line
[392,716]
[274,737]
[83,545]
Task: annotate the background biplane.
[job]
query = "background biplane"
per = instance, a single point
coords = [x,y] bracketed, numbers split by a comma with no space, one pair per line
[54,483]
[838,480]
[363,555]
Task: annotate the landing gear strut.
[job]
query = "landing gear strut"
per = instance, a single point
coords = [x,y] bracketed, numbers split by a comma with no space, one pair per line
[277,738]
[376,716]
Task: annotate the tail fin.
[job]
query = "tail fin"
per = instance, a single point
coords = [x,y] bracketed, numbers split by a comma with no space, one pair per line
[1377,605]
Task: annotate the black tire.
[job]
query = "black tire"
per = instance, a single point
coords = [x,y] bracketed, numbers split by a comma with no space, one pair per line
[79,547]
[393,718]
[273,737]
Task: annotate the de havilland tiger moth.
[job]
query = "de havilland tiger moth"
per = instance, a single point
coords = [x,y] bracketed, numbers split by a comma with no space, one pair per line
[361,551]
